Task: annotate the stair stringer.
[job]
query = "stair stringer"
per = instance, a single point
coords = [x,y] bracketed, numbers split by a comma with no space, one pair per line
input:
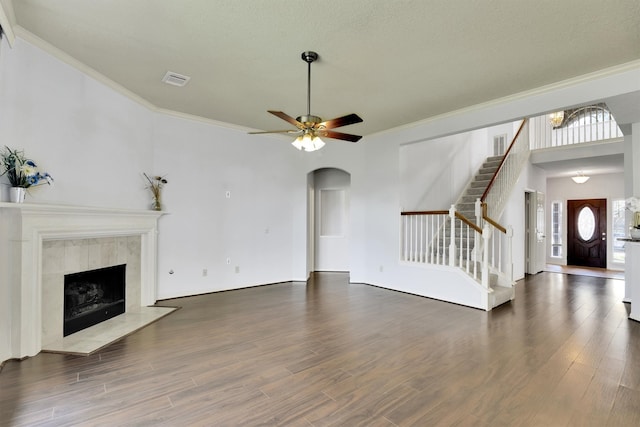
[445,283]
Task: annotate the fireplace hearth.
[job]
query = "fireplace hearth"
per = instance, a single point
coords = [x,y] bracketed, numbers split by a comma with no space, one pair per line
[93,296]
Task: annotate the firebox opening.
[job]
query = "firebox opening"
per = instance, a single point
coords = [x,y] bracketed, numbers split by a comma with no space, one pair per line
[93,296]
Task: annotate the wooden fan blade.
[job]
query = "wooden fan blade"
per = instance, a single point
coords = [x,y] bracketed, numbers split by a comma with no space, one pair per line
[349,119]
[287,118]
[339,135]
[275,131]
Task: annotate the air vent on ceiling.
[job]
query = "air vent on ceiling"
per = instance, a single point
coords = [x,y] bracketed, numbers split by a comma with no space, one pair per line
[175,79]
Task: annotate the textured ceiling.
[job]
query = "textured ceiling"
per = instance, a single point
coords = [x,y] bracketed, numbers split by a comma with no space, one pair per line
[391,62]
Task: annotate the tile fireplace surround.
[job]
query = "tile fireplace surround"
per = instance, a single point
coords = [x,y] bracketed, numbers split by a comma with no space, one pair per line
[39,243]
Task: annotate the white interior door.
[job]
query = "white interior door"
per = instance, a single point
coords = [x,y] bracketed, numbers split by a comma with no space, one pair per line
[331,220]
[541,256]
[535,232]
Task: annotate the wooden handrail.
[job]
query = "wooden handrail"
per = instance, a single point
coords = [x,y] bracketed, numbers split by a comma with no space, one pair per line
[425,213]
[469,223]
[458,215]
[495,175]
[491,221]
[495,224]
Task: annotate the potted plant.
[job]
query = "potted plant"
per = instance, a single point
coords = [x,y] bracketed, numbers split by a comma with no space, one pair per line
[21,172]
[633,204]
[155,185]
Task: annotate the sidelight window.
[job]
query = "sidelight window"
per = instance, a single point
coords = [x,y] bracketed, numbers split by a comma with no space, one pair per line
[556,229]
[618,230]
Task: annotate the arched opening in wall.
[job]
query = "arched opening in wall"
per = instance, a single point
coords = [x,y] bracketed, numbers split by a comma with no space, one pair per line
[328,220]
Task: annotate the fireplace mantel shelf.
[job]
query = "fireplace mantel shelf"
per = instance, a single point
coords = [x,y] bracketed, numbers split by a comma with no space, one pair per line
[87,210]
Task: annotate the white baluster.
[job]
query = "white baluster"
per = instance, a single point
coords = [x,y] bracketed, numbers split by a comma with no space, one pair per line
[404,234]
[509,271]
[468,247]
[486,235]
[452,240]
[431,236]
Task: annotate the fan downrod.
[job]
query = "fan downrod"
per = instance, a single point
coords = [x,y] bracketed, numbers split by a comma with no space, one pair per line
[309,56]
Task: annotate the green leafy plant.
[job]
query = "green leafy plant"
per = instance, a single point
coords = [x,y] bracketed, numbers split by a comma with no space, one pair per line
[21,171]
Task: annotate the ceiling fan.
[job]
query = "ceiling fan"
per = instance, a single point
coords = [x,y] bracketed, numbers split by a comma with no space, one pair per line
[311,128]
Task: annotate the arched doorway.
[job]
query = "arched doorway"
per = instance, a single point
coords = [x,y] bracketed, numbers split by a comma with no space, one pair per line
[329,219]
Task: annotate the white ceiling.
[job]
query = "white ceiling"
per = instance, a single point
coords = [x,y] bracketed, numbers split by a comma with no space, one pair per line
[391,62]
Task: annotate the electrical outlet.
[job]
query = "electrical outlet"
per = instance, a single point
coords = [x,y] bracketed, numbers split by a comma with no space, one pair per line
[204,272]
[237,269]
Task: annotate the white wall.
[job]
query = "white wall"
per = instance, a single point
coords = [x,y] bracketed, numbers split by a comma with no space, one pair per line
[532,178]
[429,185]
[96,143]
[93,141]
[204,228]
[434,173]
[605,186]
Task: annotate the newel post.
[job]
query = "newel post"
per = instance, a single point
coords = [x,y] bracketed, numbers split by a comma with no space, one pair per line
[478,212]
[452,236]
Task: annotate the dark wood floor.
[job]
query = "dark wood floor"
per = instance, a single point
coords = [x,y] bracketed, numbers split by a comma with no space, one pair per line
[333,354]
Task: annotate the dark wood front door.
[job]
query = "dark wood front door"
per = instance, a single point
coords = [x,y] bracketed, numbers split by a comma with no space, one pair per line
[587,233]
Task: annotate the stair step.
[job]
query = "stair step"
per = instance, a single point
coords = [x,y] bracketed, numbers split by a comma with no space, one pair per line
[480,176]
[467,208]
[448,234]
[488,170]
[495,159]
[469,199]
[480,184]
[475,191]
[501,295]
[492,163]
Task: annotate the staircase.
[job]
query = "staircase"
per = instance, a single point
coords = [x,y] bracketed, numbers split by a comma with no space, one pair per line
[466,205]
[473,254]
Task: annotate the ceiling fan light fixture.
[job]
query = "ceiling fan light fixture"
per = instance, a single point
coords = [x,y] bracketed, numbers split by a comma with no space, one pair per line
[308,142]
[297,143]
[316,144]
[311,125]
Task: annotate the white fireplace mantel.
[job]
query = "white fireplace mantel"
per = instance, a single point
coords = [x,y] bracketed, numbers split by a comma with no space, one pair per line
[24,227]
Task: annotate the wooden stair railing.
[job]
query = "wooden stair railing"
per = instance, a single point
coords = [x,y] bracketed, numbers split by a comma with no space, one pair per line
[449,238]
[507,173]
[502,162]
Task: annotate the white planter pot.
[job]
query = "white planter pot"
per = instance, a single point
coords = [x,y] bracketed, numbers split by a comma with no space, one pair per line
[16,194]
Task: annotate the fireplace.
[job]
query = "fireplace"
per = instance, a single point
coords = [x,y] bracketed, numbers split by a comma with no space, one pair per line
[41,243]
[93,296]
